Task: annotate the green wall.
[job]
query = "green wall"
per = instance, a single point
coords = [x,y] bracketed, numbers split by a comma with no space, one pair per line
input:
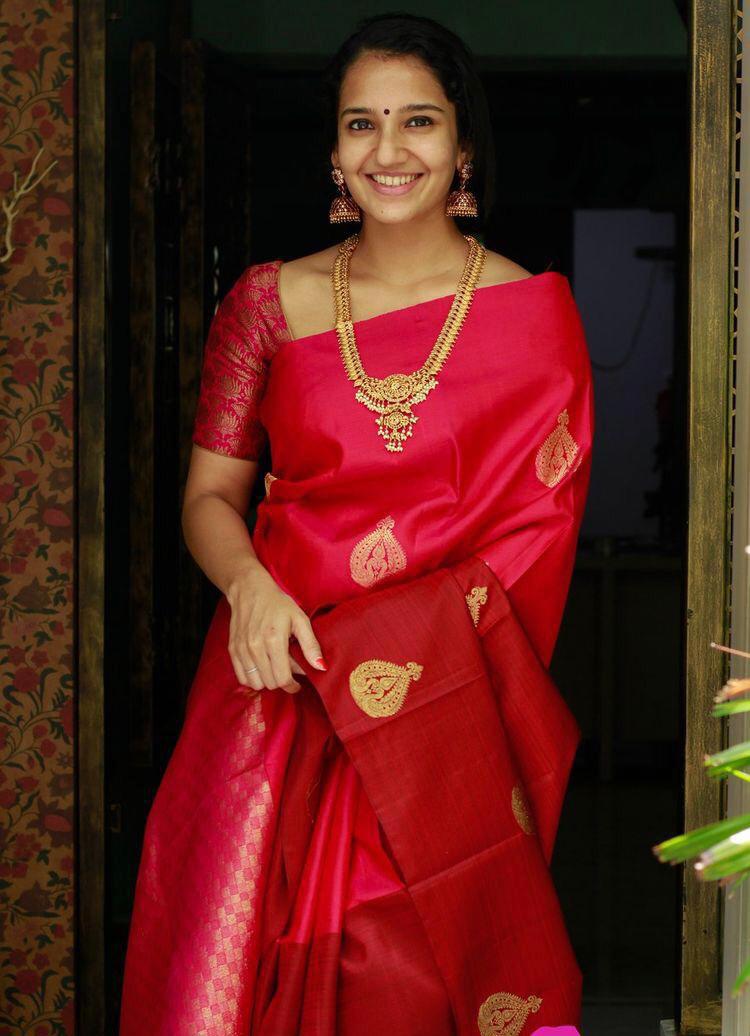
[650,29]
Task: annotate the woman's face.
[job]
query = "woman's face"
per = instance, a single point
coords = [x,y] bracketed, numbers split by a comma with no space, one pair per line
[422,141]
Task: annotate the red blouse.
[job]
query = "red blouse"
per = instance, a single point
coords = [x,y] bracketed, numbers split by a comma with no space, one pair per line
[246,329]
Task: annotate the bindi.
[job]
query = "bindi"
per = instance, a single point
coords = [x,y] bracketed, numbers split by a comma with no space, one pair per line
[386,111]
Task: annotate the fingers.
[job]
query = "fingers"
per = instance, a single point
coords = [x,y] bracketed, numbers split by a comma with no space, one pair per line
[307,640]
[246,669]
[248,661]
[277,645]
[266,653]
[259,651]
[259,647]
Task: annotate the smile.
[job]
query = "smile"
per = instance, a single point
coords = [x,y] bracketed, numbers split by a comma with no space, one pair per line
[393,184]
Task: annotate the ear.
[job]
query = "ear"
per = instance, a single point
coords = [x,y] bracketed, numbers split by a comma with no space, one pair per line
[334,157]
[464,155]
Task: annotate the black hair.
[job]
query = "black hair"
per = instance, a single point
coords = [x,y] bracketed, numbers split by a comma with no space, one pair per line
[398,32]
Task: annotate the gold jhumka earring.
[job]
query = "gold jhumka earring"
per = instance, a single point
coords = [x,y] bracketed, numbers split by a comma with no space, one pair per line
[462,202]
[343,209]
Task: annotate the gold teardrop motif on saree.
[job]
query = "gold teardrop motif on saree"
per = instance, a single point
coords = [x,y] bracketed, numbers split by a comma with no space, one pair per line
[269,478]
[377,555]
[521,810]
[379,687]
[555,456]
[505,1013]
[476,597]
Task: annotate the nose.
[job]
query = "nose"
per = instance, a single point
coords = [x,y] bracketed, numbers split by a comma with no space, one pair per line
[388,150]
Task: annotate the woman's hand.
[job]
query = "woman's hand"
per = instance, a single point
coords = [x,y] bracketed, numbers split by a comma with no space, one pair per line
[264,617]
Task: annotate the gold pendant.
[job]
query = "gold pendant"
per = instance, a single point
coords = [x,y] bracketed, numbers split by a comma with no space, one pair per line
[392,398]
[377,555]
[503,1014]
[395,425]
[379,687]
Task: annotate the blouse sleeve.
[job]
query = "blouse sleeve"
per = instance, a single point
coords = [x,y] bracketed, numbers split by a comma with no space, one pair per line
[234,373]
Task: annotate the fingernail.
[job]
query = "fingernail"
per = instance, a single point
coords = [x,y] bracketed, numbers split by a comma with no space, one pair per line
[320,663]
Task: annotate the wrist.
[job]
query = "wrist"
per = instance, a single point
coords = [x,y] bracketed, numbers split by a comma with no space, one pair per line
[245,575]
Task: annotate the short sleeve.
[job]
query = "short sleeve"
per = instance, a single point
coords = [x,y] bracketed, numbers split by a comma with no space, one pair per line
[235,366]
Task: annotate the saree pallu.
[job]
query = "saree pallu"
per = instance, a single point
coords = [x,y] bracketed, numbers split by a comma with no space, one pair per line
[381,864]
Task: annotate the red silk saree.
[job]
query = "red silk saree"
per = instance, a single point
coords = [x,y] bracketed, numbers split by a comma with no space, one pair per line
[372,853]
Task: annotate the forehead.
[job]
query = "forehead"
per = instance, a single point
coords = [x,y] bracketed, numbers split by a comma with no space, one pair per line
[376,77]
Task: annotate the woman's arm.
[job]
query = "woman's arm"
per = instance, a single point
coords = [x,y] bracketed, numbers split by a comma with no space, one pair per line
[263,617]
[217,493]
[228,437]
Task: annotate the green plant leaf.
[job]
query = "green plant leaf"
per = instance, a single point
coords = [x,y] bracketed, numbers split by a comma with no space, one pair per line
[735,755]
[725,859]
[692,843]
[729,708]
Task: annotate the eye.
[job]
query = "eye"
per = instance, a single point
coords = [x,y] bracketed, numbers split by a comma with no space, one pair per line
[427,119]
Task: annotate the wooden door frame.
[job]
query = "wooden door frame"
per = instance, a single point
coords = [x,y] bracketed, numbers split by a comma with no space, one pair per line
[736,1011]
[711,301]
[91,264]
[712,70]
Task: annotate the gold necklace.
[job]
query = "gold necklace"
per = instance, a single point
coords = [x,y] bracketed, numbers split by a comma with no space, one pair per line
[394,396]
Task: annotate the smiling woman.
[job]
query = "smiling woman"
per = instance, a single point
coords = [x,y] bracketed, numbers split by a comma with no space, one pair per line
[354,832]
[399,154]
[439,80]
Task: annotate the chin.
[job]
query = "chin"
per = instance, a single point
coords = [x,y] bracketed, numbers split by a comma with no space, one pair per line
[390,218]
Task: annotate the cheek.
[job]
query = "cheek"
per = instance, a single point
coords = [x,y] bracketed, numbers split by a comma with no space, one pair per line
[351,149]
[437,157]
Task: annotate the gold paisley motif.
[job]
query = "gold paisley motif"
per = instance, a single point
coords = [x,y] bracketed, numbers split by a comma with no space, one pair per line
[555,456]
[476,597]
[379,687]
[377,555]
[505,1013]
[521,810]
[269,478]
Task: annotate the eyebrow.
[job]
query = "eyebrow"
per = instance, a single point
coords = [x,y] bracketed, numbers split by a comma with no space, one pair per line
[406,108]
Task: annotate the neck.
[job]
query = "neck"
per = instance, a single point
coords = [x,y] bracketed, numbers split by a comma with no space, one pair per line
[408,253]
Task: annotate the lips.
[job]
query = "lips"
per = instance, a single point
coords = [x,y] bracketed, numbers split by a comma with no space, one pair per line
[382,188]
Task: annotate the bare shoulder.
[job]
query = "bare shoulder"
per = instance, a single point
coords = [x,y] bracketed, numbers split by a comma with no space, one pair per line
[498,269]
[306,274]
[304,288]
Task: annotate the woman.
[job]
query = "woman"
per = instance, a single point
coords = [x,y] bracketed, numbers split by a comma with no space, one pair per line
[284,885]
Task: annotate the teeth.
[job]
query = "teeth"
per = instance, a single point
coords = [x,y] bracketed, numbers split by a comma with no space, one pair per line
[394,181]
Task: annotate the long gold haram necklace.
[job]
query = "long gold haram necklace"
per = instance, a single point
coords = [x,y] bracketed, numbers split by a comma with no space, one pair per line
[394,396]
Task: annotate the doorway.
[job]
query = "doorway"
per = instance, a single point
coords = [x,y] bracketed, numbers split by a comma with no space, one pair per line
[593,181]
